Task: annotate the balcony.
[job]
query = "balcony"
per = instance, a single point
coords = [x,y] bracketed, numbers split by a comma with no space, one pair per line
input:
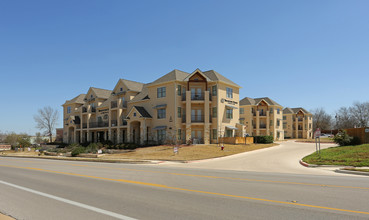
[113,104]
[114,123]
[124,104]
[84,109]
[300,119]
[93,109]
[100,124]
[262,114]
[196,96]
[84,125]
[183,118]
[197,118]
[262,126]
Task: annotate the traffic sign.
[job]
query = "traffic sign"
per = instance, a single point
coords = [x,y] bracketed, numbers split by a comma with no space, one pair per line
[317,133]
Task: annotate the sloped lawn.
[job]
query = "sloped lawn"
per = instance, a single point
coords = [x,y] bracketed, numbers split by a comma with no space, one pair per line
[357,156]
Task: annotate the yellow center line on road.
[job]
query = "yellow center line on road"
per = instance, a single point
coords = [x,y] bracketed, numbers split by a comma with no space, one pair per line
[211,177]
[189,190]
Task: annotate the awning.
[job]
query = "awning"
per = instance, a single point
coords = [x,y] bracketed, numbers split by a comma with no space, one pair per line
[231,127]
[160,127]
[160,106]
[231,106]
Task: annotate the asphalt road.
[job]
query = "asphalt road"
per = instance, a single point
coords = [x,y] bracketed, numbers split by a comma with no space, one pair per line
[49,189]
[281,159]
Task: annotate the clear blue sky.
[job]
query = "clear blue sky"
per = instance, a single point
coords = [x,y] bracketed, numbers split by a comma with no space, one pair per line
[299,53]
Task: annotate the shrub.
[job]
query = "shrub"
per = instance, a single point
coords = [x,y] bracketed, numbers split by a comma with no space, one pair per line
[355,141]
[342,138]
[92,148]
[263,139]
[77,151]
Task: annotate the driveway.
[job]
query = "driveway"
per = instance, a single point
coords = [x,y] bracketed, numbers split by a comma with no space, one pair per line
[279,159]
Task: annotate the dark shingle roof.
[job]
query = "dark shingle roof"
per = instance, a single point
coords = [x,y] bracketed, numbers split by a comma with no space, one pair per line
[101,93]
[78,99]
[143,111]
[171,76]
[215,76]
[251,101]
[295,110]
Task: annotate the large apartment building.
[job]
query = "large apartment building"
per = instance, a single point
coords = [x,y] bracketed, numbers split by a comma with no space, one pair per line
[297,123]
[262,116]
[198,106]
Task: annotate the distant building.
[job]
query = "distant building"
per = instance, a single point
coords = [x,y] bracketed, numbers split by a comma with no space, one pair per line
[59,135]
[5,147]
[198,106]
[262,116]
[297,123]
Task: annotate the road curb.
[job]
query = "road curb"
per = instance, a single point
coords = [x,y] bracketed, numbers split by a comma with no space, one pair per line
[351,172]
[303,163]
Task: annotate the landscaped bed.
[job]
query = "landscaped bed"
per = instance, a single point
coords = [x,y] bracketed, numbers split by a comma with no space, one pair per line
[164,152]
[356,156]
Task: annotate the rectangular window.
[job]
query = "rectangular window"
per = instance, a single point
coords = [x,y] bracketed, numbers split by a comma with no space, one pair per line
[214,112]
[242,110]
[179,90]
[309,125]
[271,122]
[284,117]
[229,133]
[179,112]
[161,113]
[179,134]
[271,110]
[214,90]
[161,135]
[278,123]
[284,125]
[161,92]
[278,110]
[69,110]
[229,113]
[230,93]
[215,134]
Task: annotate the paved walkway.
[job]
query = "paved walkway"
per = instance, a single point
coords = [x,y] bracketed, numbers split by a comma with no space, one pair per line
[280,159]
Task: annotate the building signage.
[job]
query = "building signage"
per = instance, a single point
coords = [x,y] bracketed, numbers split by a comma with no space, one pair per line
[229,101]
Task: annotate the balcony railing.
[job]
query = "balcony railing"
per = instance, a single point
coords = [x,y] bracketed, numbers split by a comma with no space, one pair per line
[197,118]
[100,124]
[262,126]
[124,104]
[196,96]
[93,109]
[113,123]
[84,125]
[262,114]
[124,122]
[114,104]
[300,119]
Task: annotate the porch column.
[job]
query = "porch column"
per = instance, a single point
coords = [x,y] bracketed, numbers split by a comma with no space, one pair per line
[257,122]
[297,127]
[143,132]
[128,132]
[75,136]
[118,135]
[207,119]
[268,124]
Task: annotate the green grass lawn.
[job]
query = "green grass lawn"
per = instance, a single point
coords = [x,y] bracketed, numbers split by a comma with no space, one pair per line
[357,156]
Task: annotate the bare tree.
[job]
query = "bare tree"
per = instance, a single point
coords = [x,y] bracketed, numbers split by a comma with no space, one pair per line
[12,139]
[344,118]
[39,139]
[360,114]
[321,119]
[2,137]
[46,120]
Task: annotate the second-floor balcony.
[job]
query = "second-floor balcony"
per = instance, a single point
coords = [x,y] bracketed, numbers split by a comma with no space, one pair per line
[196,96]
[300,119]
[262,114]
[124,104]
[100,124]
[197,118]
[114,123]
[262,126]
[113,104]
[93,109]
[84,109]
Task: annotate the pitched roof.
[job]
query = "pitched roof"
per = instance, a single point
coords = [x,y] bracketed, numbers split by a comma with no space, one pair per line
[295,110]
[215,76]
[171,76]
[101,93]
[143,111]
[78,99]
[251,101]
[132,85]
[142,95]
